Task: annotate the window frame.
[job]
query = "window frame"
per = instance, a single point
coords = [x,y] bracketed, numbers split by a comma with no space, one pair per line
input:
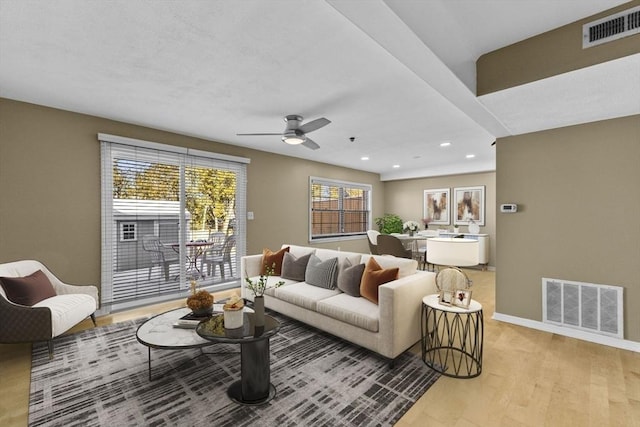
[341,184]
[125,224]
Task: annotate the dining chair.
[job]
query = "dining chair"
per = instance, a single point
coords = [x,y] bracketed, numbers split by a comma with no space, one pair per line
[372,238]
[220,259]
[391,245]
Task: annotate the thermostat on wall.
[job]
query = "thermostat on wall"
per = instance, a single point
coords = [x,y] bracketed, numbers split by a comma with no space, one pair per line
[509,208]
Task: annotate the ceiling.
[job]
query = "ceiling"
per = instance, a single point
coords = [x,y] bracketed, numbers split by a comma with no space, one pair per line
[398,75]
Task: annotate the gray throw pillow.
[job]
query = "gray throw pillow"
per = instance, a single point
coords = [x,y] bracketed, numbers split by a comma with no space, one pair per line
[321,273]
[349,277]
[294,268]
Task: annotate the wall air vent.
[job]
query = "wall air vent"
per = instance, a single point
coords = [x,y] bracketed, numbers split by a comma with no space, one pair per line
[611,28]
[593,308]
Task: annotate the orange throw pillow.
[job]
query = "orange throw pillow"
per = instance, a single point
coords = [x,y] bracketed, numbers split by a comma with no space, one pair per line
[374,276]
[269,258]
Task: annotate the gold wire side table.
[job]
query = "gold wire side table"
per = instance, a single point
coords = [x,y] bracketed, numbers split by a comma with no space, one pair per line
[452,337]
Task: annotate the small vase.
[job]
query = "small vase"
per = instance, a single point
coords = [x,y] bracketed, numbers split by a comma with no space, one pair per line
[201,312]
[258,308]
[233,318]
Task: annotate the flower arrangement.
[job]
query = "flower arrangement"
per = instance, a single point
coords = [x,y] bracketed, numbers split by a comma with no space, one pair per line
[259,286]
[410,226]
[199,300]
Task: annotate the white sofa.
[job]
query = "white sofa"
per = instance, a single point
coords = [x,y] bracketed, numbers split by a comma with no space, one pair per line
[49,317]
[388,328]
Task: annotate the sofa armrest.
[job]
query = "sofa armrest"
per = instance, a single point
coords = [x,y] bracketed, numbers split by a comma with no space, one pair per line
[20,323]
[400,304]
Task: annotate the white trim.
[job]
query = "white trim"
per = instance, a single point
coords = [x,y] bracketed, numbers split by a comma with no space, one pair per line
[569,332]
[171,148]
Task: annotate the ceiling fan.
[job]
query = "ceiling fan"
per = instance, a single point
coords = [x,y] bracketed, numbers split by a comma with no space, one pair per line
[295,133]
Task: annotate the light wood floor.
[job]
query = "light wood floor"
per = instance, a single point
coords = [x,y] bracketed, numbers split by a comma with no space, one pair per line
[529,378]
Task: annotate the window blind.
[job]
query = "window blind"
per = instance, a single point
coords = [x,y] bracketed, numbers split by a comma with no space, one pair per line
[174,201]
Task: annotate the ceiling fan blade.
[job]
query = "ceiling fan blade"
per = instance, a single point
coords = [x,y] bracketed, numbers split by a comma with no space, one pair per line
[314,124]
[256,134]
[310,143]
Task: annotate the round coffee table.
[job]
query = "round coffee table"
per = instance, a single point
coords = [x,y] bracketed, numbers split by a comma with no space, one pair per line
[161,332]
[254,386]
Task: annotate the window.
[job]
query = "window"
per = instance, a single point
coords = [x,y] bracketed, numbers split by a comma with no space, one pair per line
[161,207]
[338,209]
[128,231]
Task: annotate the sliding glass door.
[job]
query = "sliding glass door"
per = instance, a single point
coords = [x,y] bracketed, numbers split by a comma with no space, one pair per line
[168,218]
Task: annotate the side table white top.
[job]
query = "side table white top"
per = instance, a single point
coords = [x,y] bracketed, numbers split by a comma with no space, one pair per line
[433,302]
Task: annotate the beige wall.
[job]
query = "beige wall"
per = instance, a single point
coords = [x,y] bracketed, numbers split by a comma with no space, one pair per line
[578,195]
[548,54]
[405,198]
[50,189]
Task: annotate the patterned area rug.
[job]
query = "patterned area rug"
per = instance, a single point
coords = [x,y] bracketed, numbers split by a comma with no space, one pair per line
[99,377]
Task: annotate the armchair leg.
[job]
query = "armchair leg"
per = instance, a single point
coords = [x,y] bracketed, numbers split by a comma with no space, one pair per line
[93,317]
[50,345]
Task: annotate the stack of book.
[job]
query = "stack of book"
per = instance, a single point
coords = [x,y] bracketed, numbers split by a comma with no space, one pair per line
[190,320]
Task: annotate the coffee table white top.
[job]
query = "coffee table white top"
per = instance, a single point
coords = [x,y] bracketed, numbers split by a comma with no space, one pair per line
[159,332]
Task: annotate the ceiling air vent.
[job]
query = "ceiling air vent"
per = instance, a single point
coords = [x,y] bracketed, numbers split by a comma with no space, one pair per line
[613,27]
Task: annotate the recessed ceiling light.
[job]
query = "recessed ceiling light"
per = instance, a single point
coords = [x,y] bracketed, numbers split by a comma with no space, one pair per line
[470,156]
[445,144]
[364,158]
[396,166]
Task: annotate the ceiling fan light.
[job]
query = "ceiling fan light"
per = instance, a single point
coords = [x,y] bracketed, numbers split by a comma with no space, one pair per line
[293,139]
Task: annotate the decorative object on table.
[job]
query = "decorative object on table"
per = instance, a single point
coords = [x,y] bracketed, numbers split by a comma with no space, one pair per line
[456,229]
[469,205]
[474,228]
[446,297]
[200,301]
[233,312]
[462,298]
[452,279]
[426,222]
[410,226]
[257,288]
[389,223]
[436,206]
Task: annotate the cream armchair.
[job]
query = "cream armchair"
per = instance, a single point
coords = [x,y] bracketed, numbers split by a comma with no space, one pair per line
[63,307]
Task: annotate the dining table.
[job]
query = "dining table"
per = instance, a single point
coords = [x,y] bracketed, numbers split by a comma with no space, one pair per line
[195,249]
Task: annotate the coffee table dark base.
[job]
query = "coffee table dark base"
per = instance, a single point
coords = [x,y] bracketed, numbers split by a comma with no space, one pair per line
[235,393]
[254,387]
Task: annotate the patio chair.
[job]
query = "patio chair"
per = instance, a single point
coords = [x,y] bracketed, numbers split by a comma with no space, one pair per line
[151,244]
[220,259]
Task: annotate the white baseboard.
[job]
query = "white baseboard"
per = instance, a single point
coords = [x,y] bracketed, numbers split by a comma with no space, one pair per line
[569,332]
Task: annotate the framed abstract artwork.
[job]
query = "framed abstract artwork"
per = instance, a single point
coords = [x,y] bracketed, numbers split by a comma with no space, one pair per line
[469,205]
[437,206]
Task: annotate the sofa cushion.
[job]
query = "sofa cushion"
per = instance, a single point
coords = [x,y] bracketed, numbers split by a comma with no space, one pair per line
[68,310]
[354,311]
[374,276]
[298,251]
[272,259]
[321,273]
[406,266]
[28,290]
[304,295]
[349,277]
[293,267]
